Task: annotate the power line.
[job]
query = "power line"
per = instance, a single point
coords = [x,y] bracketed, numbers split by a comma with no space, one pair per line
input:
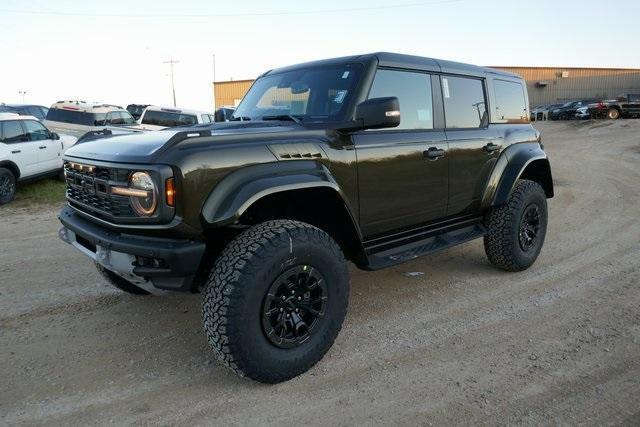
[231,15]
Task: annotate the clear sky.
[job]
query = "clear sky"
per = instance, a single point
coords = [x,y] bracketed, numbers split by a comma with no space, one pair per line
[113,51]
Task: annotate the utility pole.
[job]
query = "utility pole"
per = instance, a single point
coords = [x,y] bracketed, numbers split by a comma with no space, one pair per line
[214,82]
[23,93]
[173,84]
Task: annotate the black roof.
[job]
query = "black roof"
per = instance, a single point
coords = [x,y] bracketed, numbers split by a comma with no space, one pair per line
[20,105]
[397,60]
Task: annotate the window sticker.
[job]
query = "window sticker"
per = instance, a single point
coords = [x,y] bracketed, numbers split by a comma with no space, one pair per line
[345,74]
[340,96]
[445,87]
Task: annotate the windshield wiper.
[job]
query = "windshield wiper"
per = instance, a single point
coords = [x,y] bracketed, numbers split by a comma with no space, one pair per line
[283,117]
[240,119]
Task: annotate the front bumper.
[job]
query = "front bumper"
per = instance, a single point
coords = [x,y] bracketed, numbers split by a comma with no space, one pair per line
[148,262]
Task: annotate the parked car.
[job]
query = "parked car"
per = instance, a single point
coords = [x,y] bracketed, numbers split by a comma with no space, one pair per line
[627,105]
[136,110]
[157,118]
[37,111]
[542,113]
[78,117]
[224,114]
[376,159]
[568,110]
[28,150]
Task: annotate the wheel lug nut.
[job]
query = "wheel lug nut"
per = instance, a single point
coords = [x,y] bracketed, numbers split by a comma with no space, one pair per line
[283,297]
[281,309]
[293,292]
[297,310]
[299,298]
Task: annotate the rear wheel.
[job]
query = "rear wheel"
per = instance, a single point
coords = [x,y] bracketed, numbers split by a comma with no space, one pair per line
[119,282]
[275,300]
[613,113]
[516,230]
[7,186]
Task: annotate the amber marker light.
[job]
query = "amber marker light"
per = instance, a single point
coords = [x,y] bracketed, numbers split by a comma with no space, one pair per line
[170,192]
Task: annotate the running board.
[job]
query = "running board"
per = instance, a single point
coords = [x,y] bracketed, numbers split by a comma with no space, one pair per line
[382,256]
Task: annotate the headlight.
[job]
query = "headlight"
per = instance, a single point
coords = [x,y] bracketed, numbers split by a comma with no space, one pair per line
[142,193]
[143,203]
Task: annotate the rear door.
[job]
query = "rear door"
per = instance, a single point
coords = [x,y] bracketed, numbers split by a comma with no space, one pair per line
[22,151]
[473,144]
[49,150]
[403,172]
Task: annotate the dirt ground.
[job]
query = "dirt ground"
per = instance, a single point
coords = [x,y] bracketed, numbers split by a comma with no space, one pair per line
[462,343]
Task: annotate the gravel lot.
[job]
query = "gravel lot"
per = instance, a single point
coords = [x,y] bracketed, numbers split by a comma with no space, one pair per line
[462,343]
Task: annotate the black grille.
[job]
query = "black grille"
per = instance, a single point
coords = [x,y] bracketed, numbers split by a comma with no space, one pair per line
[89,190]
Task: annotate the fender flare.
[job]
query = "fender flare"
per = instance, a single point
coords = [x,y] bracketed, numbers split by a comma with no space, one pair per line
[509,167]
[242,188]
[8,164]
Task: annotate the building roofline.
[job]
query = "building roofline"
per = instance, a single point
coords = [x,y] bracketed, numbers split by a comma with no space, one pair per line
[524,67]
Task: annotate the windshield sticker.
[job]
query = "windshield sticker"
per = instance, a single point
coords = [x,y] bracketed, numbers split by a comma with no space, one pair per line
[340,96]
[345,74]
[445,88]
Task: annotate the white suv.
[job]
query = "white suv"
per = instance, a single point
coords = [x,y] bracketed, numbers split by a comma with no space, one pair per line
[78,117]
[157,118]
[28,150]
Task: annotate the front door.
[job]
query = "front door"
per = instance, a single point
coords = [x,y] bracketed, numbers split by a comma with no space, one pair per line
[402,172]
[49,150]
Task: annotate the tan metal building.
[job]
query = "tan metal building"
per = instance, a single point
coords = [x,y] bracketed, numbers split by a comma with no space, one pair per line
[545,84]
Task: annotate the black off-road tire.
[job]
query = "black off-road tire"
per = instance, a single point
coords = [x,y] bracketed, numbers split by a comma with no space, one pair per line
[119,282]
[8,183]
[241,282]
[502,243]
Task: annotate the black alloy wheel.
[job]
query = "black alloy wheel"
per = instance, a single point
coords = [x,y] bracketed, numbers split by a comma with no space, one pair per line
[529,227]
[294,306]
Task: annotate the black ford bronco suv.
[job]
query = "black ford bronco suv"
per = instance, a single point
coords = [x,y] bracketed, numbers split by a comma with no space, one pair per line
[376,159]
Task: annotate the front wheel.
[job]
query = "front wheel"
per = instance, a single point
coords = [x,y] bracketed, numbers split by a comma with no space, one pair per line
[275,300]
[516,230]
[7,186]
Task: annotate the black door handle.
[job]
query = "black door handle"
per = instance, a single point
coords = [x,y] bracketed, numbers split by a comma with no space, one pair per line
[491,147]
[433,153]
[42,147]
[16,151]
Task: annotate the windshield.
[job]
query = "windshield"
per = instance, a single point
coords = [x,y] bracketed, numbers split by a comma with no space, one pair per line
[313,94]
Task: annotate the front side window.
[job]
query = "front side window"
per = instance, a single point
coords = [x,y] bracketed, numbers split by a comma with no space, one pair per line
[510,105]
[121,118]
[36,131]
[464,102]
[314,94]
[205,118]
[413,91]
[36,112]
[12,132]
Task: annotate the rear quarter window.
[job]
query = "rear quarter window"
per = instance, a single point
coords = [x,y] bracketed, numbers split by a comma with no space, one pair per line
[510,105]
[168,119]
[75,117]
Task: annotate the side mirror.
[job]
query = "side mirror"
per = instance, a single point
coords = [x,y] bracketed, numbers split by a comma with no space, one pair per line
[55,136]
[379,113]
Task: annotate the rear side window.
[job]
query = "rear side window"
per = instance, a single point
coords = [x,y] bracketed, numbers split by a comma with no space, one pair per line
[168,119]
[510,105]
[634,98]
[74,117]
[36,112]
[413,91]
[35,130]
[464,102]
[11,131]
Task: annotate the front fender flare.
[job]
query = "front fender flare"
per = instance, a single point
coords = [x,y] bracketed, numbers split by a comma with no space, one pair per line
[240,189]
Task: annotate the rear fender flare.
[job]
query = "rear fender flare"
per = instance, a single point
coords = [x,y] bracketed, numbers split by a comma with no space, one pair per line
[509,168]
[8,164]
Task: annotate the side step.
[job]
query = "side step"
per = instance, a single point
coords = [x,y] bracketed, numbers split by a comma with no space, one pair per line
[381,256]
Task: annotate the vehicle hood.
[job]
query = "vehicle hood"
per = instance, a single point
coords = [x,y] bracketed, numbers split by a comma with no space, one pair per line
[147,146]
